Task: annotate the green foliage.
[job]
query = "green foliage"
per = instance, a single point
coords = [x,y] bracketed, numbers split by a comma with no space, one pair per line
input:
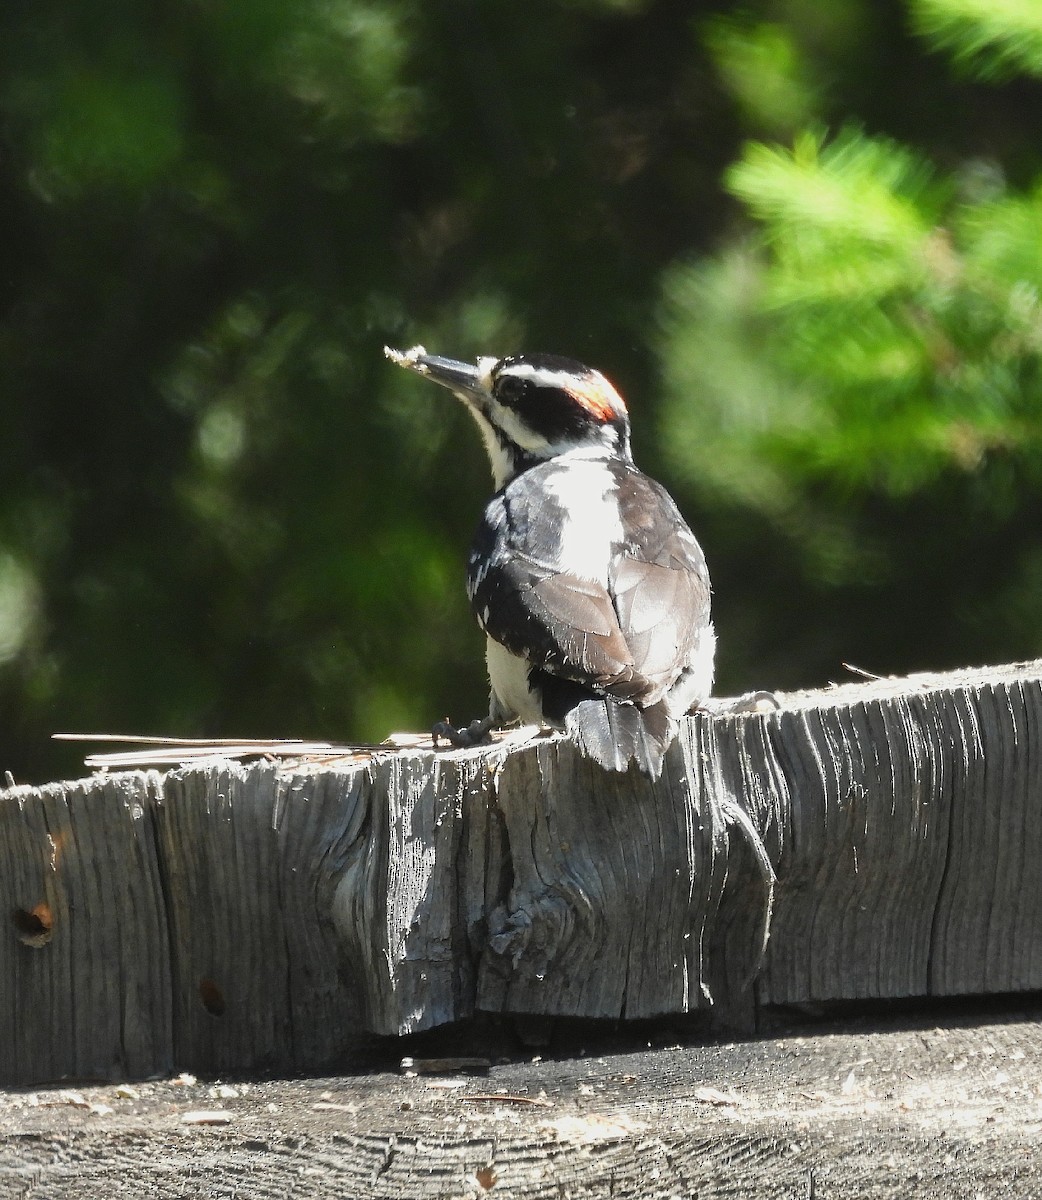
[874,356]
[224,513]
[764,70]
[122,128]
[994,38]
[904,320]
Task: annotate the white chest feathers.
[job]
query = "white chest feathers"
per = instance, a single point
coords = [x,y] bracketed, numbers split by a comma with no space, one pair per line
[508,675]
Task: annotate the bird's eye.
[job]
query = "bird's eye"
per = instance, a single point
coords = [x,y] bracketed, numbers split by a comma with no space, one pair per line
[510,389]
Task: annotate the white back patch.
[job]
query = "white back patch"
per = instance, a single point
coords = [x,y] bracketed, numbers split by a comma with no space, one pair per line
[590,525]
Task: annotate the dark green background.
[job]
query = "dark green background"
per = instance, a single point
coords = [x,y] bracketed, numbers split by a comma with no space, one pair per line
[223,513]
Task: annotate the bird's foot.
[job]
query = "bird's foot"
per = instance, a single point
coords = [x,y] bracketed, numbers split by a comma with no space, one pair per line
[748,702]
[477,733]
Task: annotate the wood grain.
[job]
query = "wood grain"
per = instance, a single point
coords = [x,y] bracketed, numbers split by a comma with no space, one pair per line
[887,836]
[945,1106]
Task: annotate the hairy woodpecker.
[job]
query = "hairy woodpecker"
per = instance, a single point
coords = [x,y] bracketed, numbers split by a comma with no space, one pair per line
[591,589]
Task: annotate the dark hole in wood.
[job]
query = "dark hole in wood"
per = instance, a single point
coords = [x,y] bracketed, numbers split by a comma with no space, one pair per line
[34,926]
[212,997]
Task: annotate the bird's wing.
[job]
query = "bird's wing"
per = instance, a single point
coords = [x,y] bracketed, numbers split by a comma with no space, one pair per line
[628,636]
[659,581]
[558,622]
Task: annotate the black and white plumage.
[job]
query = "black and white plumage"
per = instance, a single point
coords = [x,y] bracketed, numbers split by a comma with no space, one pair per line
[591,589]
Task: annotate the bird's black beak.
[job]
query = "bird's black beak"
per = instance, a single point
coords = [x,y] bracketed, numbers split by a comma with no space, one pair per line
[465,379]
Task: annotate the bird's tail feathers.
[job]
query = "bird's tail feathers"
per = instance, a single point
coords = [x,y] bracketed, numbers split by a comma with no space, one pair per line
[615,734]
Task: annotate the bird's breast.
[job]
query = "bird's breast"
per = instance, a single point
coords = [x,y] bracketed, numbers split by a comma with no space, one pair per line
[509,675]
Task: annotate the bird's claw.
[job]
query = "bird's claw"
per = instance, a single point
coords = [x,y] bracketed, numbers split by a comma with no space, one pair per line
[477,733]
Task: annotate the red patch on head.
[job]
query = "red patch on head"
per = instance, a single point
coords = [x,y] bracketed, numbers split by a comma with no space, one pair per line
[598,397]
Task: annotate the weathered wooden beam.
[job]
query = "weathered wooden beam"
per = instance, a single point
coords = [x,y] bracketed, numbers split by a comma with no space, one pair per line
[222,917]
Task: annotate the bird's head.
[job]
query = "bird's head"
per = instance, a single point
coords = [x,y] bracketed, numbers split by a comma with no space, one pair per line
[530,407]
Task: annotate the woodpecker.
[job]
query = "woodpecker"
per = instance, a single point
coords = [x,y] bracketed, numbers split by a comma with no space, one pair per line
[591,589]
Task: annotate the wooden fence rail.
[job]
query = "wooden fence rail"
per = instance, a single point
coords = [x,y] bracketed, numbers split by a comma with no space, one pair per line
[872,840]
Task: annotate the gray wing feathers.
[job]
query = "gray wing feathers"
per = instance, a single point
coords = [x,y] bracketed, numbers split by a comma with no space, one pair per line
[659,614]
